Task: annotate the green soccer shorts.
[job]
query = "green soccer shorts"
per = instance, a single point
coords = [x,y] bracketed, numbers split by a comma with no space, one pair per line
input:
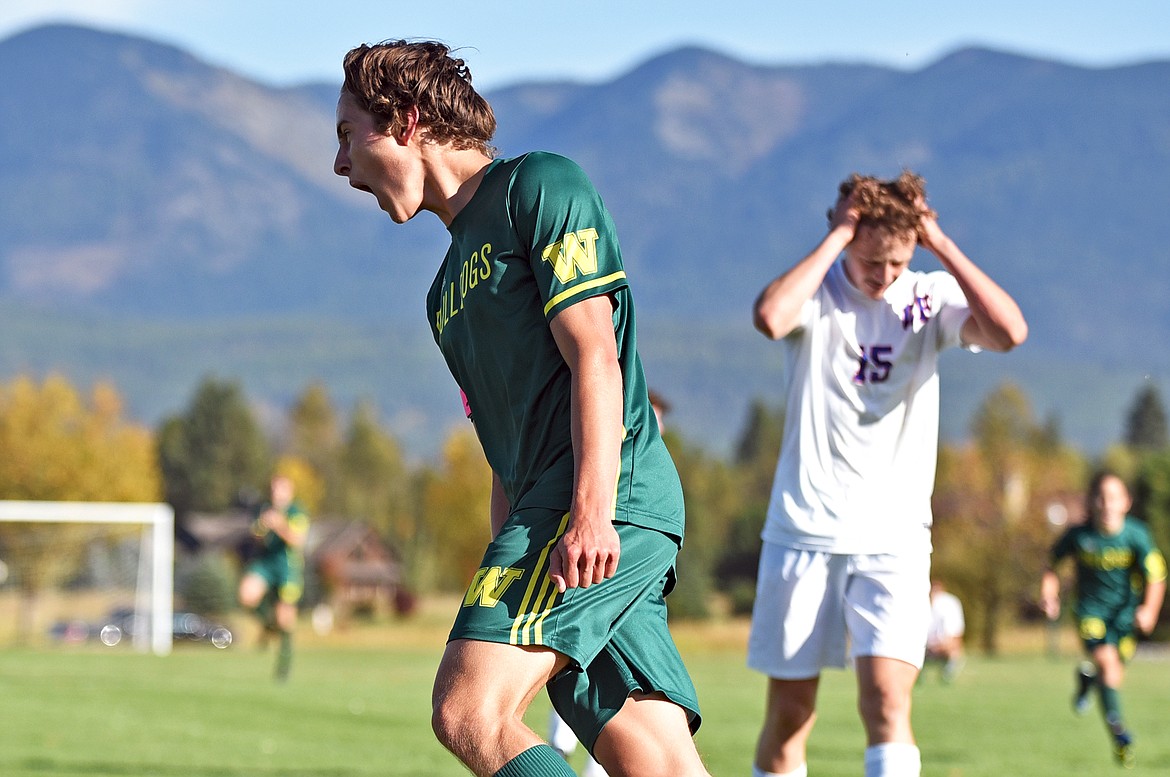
[615,631]
[285,576]
[1096,628]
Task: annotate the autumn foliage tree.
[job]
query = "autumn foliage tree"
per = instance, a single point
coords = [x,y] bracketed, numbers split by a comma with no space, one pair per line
[313,436]
[61,446]
[454,500]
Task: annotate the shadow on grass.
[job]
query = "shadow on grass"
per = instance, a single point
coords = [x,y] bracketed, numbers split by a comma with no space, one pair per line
[51,766]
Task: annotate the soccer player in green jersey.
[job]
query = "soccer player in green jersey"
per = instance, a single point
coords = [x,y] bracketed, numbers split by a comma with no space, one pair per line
[1120,583]
[532,310]
[274,580]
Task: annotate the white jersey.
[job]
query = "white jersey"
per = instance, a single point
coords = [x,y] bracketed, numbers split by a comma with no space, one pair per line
[946,618]
[857,464]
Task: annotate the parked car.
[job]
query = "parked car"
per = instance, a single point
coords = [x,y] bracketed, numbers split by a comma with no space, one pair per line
[71,631]
[122,623]
[196,628]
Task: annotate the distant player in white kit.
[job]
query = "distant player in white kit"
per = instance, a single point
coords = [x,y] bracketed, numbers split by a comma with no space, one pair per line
[847,539]
[944,638]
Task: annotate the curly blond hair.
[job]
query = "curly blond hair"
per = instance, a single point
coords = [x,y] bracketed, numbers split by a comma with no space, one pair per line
[895,207]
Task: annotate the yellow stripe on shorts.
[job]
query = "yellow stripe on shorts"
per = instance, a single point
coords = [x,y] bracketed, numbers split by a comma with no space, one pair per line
[527,628]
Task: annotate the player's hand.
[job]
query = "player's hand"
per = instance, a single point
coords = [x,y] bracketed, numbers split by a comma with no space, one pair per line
[272,519]
[1145,618]
[844,216]
[1050,608]
[586,553]
[930,234]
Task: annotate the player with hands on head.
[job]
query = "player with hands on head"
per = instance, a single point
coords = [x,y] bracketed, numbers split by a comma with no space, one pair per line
[532,311]
[1120,585]
[846,555]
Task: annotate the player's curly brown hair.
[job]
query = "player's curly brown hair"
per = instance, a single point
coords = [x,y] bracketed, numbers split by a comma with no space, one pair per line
[387,79]
[895,206]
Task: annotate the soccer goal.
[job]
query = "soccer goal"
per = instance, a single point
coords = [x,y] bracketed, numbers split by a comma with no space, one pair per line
[80,571]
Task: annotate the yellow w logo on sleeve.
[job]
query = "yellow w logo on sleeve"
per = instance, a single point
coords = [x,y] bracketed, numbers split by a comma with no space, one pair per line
[577,251]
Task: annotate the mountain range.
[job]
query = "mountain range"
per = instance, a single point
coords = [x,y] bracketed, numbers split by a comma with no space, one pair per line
[162,219]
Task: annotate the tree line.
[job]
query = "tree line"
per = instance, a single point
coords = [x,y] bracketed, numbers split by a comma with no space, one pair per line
[1000,498]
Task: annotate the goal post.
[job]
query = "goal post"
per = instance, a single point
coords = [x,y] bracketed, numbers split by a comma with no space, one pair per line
[154,588]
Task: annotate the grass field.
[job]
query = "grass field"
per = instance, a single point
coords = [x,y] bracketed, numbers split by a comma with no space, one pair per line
[358,704]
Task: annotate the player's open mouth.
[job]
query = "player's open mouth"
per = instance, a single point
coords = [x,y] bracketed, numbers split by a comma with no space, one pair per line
[362,187]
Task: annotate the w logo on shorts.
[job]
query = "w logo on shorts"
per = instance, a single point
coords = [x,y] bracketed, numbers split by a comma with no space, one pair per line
[489,585]
[512,598]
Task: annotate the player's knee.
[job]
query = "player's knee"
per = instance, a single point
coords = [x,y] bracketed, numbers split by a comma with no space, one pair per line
[789,714]
[447,725]
[884,708]
[286,616]
[458,723]
[250,591]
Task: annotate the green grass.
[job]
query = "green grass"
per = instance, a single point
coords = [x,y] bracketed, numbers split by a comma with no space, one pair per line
[358,704]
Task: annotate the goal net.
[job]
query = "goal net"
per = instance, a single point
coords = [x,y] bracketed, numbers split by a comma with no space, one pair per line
[76,572]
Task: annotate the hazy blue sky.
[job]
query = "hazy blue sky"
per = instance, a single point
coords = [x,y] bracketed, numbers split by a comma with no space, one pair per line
[285,42]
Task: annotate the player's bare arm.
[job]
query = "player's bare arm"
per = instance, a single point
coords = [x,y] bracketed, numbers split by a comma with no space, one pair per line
[777,309]
[1050,594]
[588,551]
[996,322]
[1146,615]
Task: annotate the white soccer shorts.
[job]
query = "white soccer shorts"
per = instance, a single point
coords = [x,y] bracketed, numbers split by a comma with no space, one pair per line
[811,605]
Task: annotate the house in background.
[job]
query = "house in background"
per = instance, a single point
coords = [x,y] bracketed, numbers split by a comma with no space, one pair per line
[357,573]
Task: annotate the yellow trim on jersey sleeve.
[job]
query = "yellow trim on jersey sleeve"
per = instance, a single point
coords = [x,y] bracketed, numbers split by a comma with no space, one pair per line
[1155,567]
[583,287]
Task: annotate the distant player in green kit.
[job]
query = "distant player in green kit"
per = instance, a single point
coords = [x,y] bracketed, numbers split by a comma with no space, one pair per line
[275,578]
[1120,583]
[533,313]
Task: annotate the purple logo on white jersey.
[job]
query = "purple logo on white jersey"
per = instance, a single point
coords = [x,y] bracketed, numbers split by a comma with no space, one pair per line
[920,308]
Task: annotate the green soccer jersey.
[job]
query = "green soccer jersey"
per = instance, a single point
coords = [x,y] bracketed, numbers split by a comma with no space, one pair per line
[280,564]
[1111,570]
[272,544]
[535,239]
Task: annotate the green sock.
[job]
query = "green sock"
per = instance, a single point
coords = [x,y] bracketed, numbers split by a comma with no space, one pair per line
[265,612]
[284,657]
[1111,707]
[537,761]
